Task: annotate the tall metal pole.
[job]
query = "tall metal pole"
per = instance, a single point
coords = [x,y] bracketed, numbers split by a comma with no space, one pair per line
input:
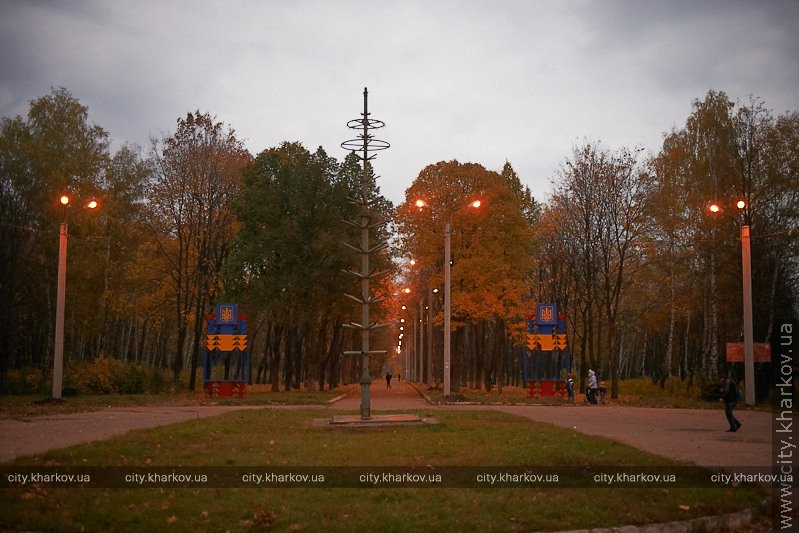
[749,359]
[430,336]
[364,222]
[366,378]
[58,351]
[412,367]
[420,366]
[447,307]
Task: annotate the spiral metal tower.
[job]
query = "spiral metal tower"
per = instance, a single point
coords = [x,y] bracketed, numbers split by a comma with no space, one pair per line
[362,145]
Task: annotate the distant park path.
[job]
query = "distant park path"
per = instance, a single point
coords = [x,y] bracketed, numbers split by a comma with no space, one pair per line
[692,435]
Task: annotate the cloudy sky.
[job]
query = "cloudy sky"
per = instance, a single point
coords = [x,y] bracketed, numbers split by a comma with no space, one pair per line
[472,80]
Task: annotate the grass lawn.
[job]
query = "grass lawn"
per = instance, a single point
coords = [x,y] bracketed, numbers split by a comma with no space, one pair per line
[635,392]
[288,438]
[38,404]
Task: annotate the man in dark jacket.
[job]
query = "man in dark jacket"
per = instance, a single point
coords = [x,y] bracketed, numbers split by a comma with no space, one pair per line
[729,396]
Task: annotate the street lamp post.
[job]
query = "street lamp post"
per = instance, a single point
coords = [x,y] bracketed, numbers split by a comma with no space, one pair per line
[447,307]
[429,380]
[58,348]
[448,292]
[420,360]
[749,358]
[746,275]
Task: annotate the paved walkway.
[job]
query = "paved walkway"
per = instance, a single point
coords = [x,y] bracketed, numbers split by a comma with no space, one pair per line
[695,436]
[401,396]
[37,434]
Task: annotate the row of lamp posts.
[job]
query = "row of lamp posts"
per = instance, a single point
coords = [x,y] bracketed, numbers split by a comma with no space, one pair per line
[421,204]
[715,208]
[749,381]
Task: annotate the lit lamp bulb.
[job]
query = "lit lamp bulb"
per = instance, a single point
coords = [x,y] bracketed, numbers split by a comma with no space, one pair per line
[64,200]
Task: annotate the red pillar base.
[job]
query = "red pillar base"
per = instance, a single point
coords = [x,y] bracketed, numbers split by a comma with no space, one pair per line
[224,389]
[546,389]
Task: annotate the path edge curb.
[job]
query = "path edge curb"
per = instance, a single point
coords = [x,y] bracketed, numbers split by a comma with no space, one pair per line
[724,522]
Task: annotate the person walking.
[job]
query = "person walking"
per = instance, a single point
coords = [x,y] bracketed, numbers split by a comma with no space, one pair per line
[388,380]
[728,392]
[592,387]
[570,387]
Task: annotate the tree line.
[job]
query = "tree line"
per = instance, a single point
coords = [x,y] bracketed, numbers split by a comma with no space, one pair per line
[649,280]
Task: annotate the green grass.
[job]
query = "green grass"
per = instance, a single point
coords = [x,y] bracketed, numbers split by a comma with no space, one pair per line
[38,404]
[634,392]
[288,438]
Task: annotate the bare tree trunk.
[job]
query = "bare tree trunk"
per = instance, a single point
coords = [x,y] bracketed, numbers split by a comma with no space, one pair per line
[672,314]
[274,366]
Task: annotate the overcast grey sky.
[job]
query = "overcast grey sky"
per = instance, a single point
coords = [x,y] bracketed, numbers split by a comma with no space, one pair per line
[478,81]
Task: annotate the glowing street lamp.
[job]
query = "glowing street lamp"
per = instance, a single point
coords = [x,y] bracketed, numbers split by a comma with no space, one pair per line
[475,204]
[746,267]
[58,349]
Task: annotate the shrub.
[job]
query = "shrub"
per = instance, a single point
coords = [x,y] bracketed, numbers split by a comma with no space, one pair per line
[130,379]
[645,387]
[24,381]
[21,381]
[157,381]
[111,376]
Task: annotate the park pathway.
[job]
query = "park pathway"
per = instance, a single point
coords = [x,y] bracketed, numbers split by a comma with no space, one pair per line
[695,436]
[401,396]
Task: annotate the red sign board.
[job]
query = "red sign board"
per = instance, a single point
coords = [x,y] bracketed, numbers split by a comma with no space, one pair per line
[735,352]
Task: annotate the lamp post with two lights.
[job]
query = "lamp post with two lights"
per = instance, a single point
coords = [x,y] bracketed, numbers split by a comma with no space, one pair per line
[58,349]
[447,289]
[746,267]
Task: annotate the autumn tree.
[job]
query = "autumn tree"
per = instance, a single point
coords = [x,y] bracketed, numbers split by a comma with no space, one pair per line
[490,256]
[289,258]
[599,208]
[53,150]
[57,150]
[725,152]
[197,172]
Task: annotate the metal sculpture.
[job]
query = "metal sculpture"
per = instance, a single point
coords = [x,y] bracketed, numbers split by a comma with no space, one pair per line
[362,146]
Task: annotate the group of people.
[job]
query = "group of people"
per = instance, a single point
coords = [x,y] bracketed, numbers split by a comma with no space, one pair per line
[728,395]
[594,387]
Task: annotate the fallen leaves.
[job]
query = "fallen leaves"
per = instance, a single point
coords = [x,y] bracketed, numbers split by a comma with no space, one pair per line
[262,518]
